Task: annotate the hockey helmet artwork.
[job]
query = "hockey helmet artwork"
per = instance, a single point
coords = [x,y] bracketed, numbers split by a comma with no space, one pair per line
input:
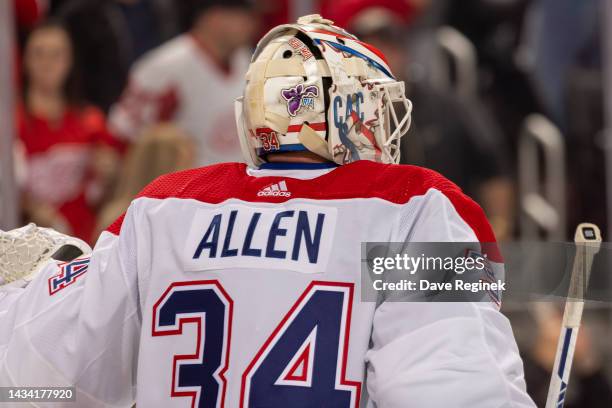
[312,86]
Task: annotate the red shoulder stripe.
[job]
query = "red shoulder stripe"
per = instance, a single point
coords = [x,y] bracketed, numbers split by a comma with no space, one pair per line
[360,179]
[475,217]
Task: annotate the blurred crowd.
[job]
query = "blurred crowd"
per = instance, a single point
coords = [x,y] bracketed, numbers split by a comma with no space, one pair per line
[113,93]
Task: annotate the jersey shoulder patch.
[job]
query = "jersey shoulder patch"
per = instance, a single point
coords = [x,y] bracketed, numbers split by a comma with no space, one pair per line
[68,274]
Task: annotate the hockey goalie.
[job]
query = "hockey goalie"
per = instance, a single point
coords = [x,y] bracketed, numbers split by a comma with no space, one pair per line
[238,285]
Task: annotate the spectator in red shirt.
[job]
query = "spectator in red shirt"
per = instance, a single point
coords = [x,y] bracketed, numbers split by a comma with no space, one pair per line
[68,151]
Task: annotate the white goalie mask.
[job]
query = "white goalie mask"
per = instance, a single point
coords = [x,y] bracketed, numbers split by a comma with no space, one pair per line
[313,86]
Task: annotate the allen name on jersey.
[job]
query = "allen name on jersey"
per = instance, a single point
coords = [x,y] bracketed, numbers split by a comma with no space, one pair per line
[269,237]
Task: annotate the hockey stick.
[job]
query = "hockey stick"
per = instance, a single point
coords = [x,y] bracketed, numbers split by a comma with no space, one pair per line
[587,240]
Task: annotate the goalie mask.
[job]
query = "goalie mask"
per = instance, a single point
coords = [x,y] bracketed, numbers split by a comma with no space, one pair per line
[312,86]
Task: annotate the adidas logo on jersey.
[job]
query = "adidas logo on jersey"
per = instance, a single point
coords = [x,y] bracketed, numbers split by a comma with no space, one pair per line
[275,190]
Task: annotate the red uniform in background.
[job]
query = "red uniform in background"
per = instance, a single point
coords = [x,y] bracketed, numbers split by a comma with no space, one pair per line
[342,12]
[29,12]
[59,160]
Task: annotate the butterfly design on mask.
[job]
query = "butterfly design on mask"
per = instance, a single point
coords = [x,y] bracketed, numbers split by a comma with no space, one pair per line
[297,96]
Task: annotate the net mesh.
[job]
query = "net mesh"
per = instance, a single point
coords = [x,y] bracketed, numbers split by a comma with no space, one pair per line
[23,250]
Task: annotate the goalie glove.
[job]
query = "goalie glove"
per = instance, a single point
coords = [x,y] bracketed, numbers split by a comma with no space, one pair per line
[24,251]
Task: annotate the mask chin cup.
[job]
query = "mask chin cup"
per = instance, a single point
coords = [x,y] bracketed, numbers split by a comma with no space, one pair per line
[248,152]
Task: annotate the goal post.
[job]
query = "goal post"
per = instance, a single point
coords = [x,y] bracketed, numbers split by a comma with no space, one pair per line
[8,187]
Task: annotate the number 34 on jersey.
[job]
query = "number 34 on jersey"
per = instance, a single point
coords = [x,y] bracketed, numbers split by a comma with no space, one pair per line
[301,364]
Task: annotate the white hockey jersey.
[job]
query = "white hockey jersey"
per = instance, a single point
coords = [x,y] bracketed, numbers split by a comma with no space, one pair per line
[232,287]
[180,82]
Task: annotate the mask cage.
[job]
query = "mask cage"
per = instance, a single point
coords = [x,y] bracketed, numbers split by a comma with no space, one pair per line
[392,95]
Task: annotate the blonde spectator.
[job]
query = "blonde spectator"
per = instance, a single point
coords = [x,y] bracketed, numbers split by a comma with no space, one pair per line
[161,149]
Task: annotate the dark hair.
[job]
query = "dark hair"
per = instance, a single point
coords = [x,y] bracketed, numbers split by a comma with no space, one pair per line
[190,10]
[72,90]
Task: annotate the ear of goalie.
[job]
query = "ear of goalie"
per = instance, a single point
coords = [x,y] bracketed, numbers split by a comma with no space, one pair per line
[313,86]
